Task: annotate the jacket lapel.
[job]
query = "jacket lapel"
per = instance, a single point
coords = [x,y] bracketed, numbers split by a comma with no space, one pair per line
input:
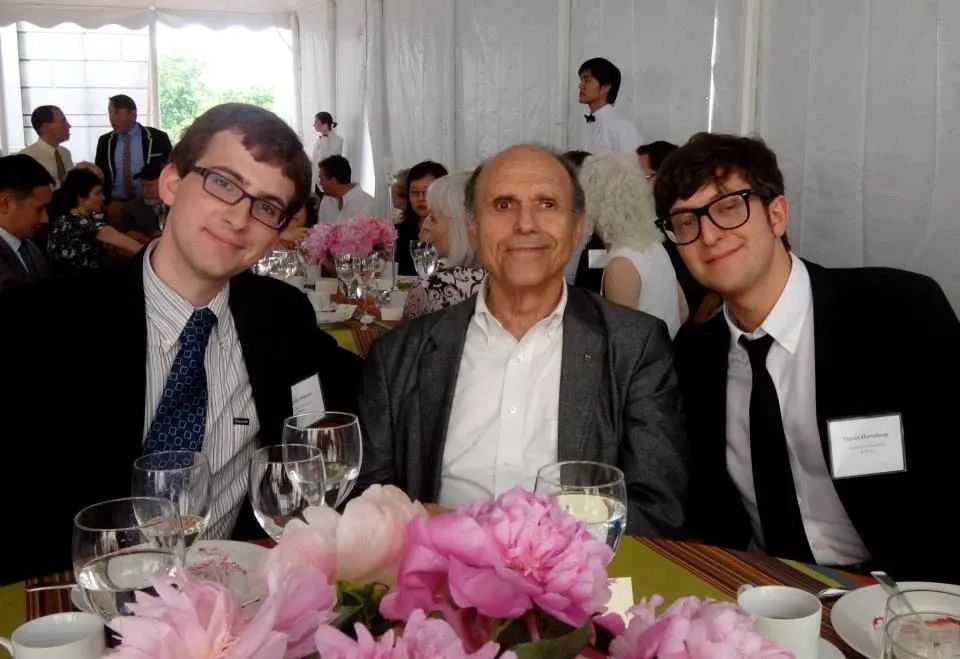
[132,357]
[13,261]
[581,372]
[828,352]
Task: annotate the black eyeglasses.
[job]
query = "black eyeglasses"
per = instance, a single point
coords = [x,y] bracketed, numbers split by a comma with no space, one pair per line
[727,212]
[217,185]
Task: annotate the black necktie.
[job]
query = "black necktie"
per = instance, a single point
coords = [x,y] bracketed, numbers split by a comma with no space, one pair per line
[783,532]
[28,260]
[590,118]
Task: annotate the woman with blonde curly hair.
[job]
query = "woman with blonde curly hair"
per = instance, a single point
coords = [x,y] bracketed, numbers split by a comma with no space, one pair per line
[638,273]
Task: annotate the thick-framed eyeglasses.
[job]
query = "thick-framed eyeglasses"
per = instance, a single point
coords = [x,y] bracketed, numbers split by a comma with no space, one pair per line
[730,211]
[218,185]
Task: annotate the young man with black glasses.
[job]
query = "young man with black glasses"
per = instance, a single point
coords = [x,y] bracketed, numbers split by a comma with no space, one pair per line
[819,401]
[184,349]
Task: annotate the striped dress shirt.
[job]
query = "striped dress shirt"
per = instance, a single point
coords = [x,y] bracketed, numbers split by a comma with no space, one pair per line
[227,445]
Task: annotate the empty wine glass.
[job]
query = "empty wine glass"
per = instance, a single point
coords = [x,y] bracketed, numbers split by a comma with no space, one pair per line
[285,263]
[183,477]
[120,545]
[593,492]
[337,436]
[344,266]
[283,481]
[425,258]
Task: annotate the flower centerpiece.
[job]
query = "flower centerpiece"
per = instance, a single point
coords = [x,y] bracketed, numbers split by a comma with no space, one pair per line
[358,236]
[515,578]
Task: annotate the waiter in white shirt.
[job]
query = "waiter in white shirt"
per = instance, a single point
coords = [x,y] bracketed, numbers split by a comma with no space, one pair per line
[342,199]
[328,144]
[604,130]
[53,130]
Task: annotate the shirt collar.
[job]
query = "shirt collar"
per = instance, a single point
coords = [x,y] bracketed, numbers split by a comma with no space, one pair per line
[46,147]
[134,131]
[486,321]
[170,312]
[10,239]
[606,111]
[786,319]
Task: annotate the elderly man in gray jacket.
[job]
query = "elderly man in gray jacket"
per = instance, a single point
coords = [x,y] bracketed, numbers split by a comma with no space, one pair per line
[469,401]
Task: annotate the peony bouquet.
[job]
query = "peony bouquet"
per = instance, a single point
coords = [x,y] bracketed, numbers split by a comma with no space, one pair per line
[515,578]
[358,236]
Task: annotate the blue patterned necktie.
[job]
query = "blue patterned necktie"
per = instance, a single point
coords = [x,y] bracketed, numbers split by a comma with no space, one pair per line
[181,418]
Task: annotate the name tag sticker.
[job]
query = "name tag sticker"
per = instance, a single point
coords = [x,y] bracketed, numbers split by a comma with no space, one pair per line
[597,258]
[866,446]
[307,396]
[241,421]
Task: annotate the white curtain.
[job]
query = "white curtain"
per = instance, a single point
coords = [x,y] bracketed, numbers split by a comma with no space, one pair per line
[859,99]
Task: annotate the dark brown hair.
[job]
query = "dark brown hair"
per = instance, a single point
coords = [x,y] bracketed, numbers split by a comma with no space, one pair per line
[265,136]
[713,158]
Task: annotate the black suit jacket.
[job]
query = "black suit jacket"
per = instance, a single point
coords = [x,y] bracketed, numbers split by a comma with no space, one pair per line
[72,393]
[885,341]
[12,271]
[619,404]
[156,148]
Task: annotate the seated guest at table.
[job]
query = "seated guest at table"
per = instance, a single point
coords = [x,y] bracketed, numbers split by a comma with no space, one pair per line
[419,179]
[445,227]
[574,160]
[76,240]
[25,191]
[342,199]
[299,225]
[638,273]
[472,400]
[650,156]
[819,399]
[144,216]
[184,330]
[398,195]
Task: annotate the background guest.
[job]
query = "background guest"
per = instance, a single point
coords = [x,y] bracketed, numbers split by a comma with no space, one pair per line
[328,144]
[604,130]
[419,179]
[25,192]
[143,217]
[342,198]
[53,130]
[398,195]
[574,160]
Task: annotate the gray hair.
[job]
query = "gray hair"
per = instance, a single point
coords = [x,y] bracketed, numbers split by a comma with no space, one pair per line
[470,194]
[619,201]
[445,195]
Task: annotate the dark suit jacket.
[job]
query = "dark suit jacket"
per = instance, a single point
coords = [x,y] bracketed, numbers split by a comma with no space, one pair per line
[156,148]
[12,271]
[619,404]
[885,341]
[72,394]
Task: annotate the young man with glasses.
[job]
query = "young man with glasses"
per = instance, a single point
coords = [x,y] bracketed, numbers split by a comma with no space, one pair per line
[819,401]
[184,349]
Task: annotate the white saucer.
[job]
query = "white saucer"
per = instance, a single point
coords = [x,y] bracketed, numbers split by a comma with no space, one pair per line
[828,650]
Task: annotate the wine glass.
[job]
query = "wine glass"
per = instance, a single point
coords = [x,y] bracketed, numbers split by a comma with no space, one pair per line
[184,477]
[337,436]
[593,492]
[380,257]
[120,545]
[283,481]
[344,266]
[425,258]
[926,633]
[285,263]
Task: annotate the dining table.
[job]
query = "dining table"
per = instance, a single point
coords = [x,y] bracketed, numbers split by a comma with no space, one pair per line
[671,569]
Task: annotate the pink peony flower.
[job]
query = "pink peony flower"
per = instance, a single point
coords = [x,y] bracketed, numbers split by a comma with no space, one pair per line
[503,558]
[364,545]
[423,638]
[691,629]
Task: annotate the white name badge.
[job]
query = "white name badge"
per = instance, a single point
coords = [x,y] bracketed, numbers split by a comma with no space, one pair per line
[866,446]
[597,258]
[307,396]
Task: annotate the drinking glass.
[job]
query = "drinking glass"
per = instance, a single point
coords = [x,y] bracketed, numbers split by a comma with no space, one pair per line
[926,634]
[285,263]
[344,266]
[425,258]
[337,436]
[183,477]
[120,545]
[593,492]
[283,481]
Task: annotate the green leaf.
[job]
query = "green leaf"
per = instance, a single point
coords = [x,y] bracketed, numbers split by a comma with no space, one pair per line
[567,646]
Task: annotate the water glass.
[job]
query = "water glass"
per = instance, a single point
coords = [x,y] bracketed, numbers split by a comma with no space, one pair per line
[283,481]
[593,492]
[425,257]
[284,263]
[344,265]
[337,436]
[120,545]
[184,477]
[924,634]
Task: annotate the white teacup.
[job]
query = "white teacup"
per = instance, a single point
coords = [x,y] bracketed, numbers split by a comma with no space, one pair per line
[320,300]
[398,299]
[58,636]
[788,617]
[392,314]
[327,285]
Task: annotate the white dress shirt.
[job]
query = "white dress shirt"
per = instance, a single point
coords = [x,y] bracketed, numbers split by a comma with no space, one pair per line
[610,133]
[832,537]
[14,244]
[227,446]
[503,420]
[331,145]
[356,201]
[45,154]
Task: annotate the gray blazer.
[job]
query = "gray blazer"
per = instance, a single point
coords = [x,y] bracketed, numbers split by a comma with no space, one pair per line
[12,272]
[619,404]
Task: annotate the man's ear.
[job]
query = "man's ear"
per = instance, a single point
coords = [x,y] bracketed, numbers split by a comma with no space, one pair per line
[779,213]
[169,184]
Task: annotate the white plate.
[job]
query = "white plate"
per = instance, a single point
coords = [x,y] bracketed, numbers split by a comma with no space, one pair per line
[234,564]
[857,615]
[342,313]
[828,650]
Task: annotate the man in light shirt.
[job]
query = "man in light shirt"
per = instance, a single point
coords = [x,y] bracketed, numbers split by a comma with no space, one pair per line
[821,402]
[604,130]
[342,199]
[53,130]
[472,400]
[328,144]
